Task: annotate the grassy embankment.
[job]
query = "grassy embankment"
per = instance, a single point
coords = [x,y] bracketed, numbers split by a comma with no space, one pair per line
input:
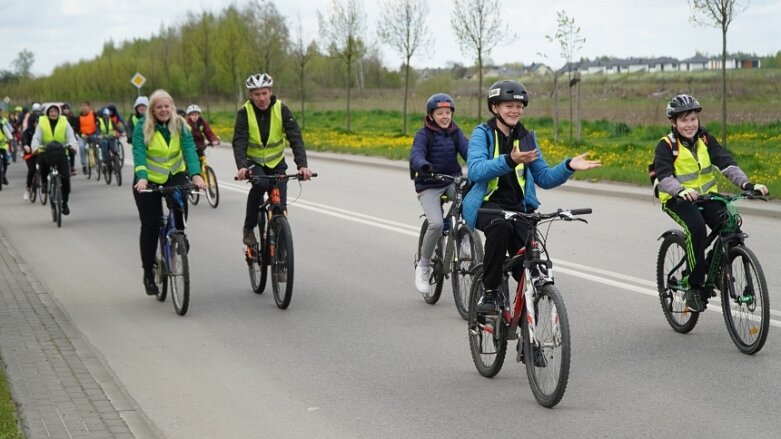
[9,428]
[624,150]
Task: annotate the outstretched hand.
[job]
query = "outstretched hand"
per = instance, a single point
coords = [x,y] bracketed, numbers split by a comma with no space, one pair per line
[580,163]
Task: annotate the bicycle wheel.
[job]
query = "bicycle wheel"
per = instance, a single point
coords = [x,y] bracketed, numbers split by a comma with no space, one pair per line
[107,174]
[212,189]
[161,273]
[194,198]
[744,300]
[547,358]
[120,153]
[179,273]
[1,171]
[98,168]
[462,275]
[118,170]
[90,162]
[281,254]
[671,268]
[55,198]
[487,336]
[43,192]
[437,274]
[35,187]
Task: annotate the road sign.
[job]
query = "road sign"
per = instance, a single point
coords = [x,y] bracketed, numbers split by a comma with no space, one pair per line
[138,80]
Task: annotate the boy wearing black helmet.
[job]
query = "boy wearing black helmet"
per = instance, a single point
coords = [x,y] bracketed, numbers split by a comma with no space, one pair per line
[435,150]
[505,164]
[683,162]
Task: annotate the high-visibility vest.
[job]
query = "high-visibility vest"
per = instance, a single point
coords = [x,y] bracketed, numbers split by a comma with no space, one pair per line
[87,123]
[493,185]
[692,172]
[272,153]
[164,159]
[60,133]
[3,139]
[106,130]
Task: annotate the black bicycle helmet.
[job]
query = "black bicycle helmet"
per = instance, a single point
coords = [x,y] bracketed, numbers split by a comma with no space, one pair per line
[507,91]
[440,100]
[682,103]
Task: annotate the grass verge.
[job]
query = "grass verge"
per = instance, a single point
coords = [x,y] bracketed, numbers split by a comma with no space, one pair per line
[9,428]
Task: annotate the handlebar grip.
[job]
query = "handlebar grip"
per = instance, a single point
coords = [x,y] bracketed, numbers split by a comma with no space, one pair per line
[314,174]
[584,211]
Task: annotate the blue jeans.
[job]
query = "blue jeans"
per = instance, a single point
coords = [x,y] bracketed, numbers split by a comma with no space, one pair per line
[104,146]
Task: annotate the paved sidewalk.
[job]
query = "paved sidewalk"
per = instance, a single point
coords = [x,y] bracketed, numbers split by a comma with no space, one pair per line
[60,386]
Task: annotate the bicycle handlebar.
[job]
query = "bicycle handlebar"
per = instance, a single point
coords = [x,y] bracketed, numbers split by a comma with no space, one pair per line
[152,187]
[564,214]
[751,195]
[277,177]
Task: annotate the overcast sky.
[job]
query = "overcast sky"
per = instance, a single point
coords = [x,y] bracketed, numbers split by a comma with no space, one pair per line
[59,31]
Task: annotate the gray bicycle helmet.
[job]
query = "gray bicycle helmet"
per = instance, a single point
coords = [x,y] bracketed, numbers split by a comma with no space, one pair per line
[507,91]
[682,103]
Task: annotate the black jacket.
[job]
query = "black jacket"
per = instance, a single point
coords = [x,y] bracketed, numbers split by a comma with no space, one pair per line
[289,125]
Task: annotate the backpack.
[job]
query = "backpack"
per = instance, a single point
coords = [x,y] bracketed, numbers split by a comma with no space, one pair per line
[429,138]
[673,144]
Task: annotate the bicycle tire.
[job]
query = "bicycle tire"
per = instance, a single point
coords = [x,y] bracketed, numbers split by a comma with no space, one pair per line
[548,379]
[107,174]
[194,198]
[98,168]
[673,302]
[2,174]
[118,170]
[179,273]
[55,198]
[488,348]
[212,188]
[90,162]
[436,280]
[282,262]
[747,316]
[461,273]
[120,153]
[258,264]
[43,192]
[32,191]
[161,275]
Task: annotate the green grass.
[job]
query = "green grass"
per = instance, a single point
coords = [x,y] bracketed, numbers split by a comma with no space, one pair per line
[9,428]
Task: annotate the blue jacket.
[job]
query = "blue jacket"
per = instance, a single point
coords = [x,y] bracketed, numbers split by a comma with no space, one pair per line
[483,167]
[440,155]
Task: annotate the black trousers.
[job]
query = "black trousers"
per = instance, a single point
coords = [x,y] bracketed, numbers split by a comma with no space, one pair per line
[502,237]
[693,220]
[255,197]
[150,211]
[31,169]
[65,174]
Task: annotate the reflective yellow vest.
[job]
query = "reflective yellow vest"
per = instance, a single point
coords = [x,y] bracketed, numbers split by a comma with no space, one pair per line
[60,133]
[103,129]
[164,159]
[493,185]
[272,153]
[692,172]
[3,139]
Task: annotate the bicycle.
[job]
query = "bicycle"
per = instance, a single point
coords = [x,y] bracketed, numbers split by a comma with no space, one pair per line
[37,189]
[212,187]
[536,315]
[93,157]
[274,244]
[449,257]
[172,266]
[115,167]
[55,194]
[733,269]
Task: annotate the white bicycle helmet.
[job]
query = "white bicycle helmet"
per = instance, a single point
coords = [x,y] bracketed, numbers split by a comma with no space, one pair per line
[193,109]
[50,106]
[259,80]
[36,106]
[141,100]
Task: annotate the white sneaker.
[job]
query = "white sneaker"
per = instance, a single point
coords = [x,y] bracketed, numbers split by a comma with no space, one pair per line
[465,249]
[25,196]
[422,275]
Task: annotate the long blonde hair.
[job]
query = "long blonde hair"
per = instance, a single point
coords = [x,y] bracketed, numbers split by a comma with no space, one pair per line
[175,123]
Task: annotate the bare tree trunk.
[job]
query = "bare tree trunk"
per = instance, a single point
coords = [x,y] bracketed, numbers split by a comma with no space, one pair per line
[349,76]
[406,94]
[724,86]
[303,113]
[555,107]
[569,90]
[577,114]
[479,84]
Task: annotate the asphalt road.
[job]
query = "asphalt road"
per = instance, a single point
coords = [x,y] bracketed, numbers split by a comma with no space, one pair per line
[358,353]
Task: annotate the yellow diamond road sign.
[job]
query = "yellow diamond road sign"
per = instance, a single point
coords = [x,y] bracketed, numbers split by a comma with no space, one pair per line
[138,80]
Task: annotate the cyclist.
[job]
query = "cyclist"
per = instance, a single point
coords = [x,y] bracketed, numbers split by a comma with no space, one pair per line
[5,141]
[139,109]
[435,149]
[110,136]
[74,123]
[200,129]
[683,162]
[52,136]
[30,155]
[262,126]
[88,127]
[164,154]
[35,109]
[505,163]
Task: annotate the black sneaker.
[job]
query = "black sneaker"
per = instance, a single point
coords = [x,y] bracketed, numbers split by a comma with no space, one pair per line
[248,237]
[487,303]
[84,170]
[539,356]
[694,301]
[149,283]
[65,209]
[5,181]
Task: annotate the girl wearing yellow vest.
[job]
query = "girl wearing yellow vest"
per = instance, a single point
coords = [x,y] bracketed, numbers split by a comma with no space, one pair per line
[164,154]
[52,137]
[684,162]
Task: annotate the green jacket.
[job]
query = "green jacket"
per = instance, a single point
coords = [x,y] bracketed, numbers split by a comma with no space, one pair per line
[191,160]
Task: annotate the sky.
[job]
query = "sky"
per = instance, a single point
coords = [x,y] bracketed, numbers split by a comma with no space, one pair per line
[59,31]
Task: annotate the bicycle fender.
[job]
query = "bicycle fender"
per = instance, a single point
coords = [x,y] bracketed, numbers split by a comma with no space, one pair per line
[669,232]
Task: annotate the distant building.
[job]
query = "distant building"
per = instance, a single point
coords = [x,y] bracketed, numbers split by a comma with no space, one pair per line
[660,64]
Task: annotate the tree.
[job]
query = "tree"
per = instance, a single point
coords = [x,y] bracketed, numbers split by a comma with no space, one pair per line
[479,28]
[402,26]
[570,41]
[232,52]
[270,36]
[343,29]
[718,13]
[302,54]
[23,63]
